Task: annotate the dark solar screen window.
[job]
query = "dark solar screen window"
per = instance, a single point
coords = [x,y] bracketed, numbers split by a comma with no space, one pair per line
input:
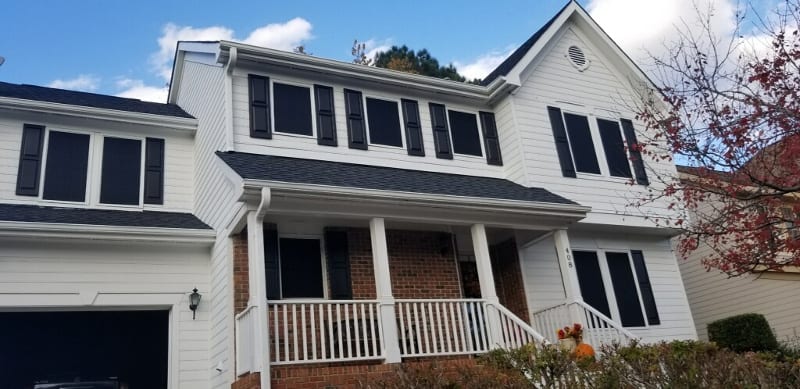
[301,268]
[67,166]
[383,118]
[591,281]
[630,309]
[121,174]
[580,140]
[611,136]
[464,128]
[292,109]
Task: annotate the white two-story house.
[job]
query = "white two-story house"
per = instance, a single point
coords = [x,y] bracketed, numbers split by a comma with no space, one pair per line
[366,217]
[337,219]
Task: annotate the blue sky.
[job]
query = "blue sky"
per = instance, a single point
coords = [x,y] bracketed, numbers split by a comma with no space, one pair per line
[125,47]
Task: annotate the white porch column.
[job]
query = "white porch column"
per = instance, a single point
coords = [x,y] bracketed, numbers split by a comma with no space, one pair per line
[383,287]
[257,275]
[569,275]
[486,279]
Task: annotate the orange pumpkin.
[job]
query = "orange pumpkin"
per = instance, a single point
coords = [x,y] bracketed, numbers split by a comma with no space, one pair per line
[583,350]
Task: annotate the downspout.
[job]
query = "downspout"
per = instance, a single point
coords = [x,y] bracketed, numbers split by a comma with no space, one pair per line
[232,58]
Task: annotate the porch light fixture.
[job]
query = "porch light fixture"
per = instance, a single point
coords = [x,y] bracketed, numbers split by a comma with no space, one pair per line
[194,301]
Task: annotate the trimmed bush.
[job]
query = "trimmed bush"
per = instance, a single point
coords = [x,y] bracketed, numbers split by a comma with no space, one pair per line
[748,332]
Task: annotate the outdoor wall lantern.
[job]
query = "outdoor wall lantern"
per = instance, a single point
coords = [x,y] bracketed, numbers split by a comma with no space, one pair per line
[194,301]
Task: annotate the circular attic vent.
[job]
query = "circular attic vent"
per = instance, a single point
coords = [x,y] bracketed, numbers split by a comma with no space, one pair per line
[577,57]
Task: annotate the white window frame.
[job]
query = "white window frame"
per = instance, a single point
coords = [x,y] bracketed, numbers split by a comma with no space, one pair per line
[88,189]
[323,263]
[608,285]
[447,109]
[272,82]
[602,152]
[400,121]
[100,151]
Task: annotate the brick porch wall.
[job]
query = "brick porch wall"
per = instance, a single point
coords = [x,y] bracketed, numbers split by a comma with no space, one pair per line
[508,278]
[241,280]
[422,265]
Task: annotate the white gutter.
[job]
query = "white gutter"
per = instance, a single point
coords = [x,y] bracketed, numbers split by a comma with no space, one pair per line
[362,72]
[147,119]
[252,188]
[229,133]
[113,233]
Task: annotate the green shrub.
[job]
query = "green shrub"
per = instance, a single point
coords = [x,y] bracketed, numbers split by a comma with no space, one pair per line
[748,332]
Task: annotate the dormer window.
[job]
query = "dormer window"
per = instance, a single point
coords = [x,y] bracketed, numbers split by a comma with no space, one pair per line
[90,168]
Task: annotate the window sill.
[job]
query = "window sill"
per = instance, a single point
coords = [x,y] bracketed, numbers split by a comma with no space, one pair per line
[386,147]
[469,156]
[293,135]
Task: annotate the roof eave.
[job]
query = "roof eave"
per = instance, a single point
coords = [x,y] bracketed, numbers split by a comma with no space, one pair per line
[362,72]
[570,212]
[172,122]
[17,229]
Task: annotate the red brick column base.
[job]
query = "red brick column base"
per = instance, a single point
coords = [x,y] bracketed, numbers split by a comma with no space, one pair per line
[248,381]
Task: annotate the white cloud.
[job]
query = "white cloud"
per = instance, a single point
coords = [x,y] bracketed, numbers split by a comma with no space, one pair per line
[483,65]
[642,26]
[136,89]
[281,36]
[373,47]
[84,82]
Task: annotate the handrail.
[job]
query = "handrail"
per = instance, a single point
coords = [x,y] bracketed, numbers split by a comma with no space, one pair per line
[606,319]
[245,312]
[246,325]
[506,314]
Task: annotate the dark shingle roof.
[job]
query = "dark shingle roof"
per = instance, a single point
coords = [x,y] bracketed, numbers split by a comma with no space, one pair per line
[308,171]
[520,52]
[100,217]
[63,96]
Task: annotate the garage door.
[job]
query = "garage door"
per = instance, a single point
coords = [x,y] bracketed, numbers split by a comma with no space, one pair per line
[112,349]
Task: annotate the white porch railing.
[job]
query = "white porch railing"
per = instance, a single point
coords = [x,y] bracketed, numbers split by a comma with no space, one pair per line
[598,329]
[246,327]
[442,327]
[305,331]
[516,332]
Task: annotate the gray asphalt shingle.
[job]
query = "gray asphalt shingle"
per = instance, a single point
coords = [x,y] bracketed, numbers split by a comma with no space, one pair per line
[100,217]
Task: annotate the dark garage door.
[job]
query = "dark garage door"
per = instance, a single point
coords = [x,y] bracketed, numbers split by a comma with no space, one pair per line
[128,347]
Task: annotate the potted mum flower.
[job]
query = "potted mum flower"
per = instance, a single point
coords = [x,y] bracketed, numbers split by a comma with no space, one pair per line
[570,337]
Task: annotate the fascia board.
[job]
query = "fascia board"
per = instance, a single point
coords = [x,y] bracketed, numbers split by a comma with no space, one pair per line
[95,232]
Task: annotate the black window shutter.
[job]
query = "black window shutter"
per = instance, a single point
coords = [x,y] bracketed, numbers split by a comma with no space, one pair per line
[591,281]
[154,171]
[338,255]
[562,144]
[271,264]
[30,160]
[259,107]
[413,127]
[630,310]
[356,129]
[326,118]
[491,141]
[635,154]
[441,133]
[645,287]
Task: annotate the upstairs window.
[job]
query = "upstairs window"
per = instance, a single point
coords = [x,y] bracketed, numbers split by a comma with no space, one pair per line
[121,171]
[614,148]
[465,133]
[69,157]
[66,166]
[580,142]
[383,121]
[292,105]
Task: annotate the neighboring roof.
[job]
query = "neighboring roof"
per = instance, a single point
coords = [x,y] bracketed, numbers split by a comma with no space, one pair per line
[63,96]
[100,217]
[349,175]
[519,53]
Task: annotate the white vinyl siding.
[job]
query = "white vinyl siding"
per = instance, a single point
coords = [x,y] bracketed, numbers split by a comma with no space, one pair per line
[125,276]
